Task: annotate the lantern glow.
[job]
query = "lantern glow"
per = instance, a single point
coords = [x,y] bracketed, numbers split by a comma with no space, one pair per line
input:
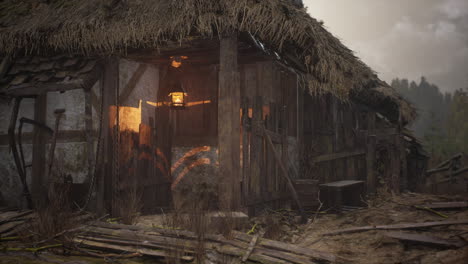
[178,99]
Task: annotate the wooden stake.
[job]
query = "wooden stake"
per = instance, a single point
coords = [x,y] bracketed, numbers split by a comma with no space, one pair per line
[287,177]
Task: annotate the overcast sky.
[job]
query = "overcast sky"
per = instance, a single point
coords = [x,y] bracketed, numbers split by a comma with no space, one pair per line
[403,38]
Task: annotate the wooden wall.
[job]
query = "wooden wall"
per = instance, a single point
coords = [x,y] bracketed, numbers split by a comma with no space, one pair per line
[268,100]
[335,144]
[344,141]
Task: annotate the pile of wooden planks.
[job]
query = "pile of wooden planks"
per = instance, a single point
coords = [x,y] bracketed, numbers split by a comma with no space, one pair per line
[186,245]
[13,222]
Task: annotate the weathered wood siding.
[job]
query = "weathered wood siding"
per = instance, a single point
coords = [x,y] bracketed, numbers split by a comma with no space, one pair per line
[269,100]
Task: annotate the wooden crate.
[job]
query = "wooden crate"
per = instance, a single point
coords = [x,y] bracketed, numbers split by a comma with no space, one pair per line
[342,193]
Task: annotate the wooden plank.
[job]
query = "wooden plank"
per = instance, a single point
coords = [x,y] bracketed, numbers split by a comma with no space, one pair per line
[447,205]
[396,226]
[275,137]
[67,136]
[426,240]
[36,89]
[395,164]
[245,148]
[288,179]
[340,155]
[229,124]
[370,161]
[96,102]
[251,247]
[110,83]
[256,146]
[280,246]
[89,134]
[38,180]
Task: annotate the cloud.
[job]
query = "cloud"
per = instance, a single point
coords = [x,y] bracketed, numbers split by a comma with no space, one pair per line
[405,39]
[454,8]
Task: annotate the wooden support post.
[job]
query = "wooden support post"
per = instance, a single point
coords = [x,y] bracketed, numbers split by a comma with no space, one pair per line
[229,125]
[38,181]
[300,120]
[370,161]
[89,133]
[396,163]
[404,164]
[245,149]
[110,81]
[371,142]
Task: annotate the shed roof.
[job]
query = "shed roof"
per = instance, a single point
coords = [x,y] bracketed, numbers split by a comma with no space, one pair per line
[112,26]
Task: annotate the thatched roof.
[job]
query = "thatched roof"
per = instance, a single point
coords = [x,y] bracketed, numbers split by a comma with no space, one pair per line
[109,26]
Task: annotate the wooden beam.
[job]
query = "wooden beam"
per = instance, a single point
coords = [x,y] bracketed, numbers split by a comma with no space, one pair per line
[128,89]
[68,136]
[287,177]
[395,162]
[426,240]
[38,181]
[339,155]
[370,161]
[95,101]
[29,89]
[89,133]
[397,226]
[229,125]
[110,82]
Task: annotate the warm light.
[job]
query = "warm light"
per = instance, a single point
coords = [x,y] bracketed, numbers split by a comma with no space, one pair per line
[178,99]
[176,61]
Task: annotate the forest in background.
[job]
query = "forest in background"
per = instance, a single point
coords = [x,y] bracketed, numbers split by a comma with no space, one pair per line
[442,122]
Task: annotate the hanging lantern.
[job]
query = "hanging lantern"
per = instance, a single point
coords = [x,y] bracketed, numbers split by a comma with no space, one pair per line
[177,93]
[177,96]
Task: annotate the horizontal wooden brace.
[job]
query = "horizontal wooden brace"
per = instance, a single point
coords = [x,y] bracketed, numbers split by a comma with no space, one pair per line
[340,155]
[70,136]
[383,132]
[275,137]
[35,89]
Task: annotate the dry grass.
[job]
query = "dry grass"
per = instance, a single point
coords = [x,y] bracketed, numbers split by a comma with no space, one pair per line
[128,205]
[89,26]
[111,26]
[54,217]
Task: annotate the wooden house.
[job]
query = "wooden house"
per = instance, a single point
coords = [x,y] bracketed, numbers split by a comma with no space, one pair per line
[163,97]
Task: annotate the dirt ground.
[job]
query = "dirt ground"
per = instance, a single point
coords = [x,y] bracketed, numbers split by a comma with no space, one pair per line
[374,246]
[362,247]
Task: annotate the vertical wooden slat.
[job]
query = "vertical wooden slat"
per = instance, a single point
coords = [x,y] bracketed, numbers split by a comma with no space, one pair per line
[38,181]
[245,149]
[89,134]
[404,164]
[110,82]
[370,161]
[256,147]
[370,156]
[229,124]
[396,163]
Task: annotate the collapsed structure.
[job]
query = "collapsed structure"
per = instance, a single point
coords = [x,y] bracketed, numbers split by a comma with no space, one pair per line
[153,99]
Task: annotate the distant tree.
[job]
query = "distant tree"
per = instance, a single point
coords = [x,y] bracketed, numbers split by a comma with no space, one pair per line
[442,121]
[457,125]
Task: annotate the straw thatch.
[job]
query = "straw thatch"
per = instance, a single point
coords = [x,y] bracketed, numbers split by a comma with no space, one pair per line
[110,26]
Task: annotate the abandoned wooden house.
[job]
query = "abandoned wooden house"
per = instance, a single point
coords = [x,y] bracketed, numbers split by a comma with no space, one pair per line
[243,100]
